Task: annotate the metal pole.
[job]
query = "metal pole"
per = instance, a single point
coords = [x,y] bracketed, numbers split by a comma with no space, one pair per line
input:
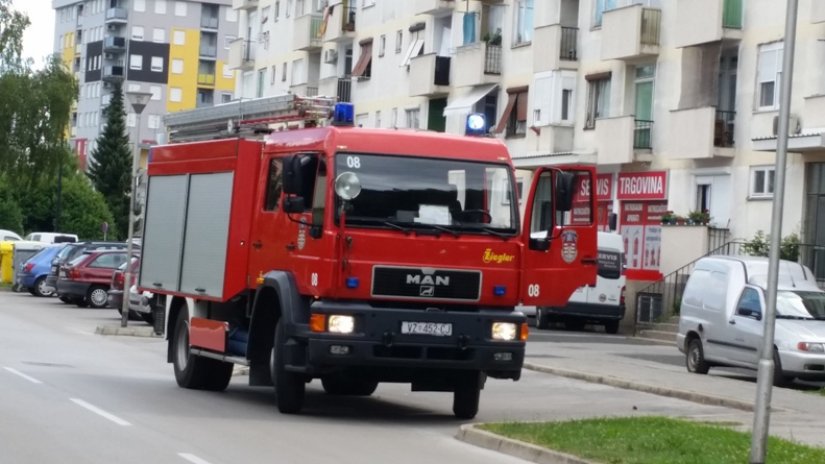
[127,274]
[761,415]
[59,195]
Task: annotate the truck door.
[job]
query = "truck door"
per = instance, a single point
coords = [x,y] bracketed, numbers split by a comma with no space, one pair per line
[268,238]
[559,235]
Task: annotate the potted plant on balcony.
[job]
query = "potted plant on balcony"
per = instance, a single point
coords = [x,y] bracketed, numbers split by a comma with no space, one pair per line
[699,217]
[494,38]
[668,218]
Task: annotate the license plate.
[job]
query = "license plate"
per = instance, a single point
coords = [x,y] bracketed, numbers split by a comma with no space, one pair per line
[439,329]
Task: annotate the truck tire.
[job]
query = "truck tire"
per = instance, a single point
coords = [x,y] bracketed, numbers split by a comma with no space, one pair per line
[340,384]
[97,296]
[695,358]
[289,387]
[466,396]
[611,327]
[195,372]
[541,319]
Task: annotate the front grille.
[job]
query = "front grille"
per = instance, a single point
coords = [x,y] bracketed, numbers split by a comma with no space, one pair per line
[429,284]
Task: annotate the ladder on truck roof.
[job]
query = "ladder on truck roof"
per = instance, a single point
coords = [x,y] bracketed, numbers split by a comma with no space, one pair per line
[249,117]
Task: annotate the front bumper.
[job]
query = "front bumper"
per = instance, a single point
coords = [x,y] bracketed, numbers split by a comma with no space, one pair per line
[810,366]
[71,288]
[379,343]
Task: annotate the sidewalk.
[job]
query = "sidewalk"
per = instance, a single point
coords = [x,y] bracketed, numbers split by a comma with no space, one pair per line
[796,414]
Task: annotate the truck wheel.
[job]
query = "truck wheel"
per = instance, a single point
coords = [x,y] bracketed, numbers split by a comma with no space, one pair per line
[339,384]
[195,372]
[97,296]
[779,377]
[541,319]
[466,395]
[289,387]
[611,327]
[695,358]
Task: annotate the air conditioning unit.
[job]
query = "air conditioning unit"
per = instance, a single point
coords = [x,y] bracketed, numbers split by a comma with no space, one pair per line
[109,56]
[330,55]
[794,125]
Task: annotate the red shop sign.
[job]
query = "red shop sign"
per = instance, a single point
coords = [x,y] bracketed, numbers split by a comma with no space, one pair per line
[604,187]
[642,185]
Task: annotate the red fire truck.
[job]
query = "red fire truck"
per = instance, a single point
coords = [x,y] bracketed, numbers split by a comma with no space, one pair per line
[357,256]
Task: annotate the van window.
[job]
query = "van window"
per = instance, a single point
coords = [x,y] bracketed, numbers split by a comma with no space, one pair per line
[749,304]
[610,264]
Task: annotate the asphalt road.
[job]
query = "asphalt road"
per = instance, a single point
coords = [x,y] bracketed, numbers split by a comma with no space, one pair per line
[71,396]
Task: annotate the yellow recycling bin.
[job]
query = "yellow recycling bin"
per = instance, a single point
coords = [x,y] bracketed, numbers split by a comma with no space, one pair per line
[6,262]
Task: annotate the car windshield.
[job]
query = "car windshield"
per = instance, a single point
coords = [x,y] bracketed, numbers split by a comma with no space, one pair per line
[409,193]
[803,305]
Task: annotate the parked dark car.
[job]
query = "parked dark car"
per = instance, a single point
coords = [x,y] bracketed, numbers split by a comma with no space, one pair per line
[32,273]
[72,251]
[86,279]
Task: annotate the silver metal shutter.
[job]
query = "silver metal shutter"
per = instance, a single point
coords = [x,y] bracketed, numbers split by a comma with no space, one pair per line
[163,232]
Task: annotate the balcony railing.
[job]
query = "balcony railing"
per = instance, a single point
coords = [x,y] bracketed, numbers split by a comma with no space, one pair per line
[209,22]
[348,19]
[723,128]
[111,73]
[642,134]
[492,59]
[651,26]
[117,14]
[732,14]
[568,48]
[312,91]
[206,79]
[315,35]
[344,92]
[111,43]
[210,51]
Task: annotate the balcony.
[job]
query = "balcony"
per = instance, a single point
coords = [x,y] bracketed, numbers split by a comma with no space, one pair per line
[553,138]
[434,7]
[338,87]
[114,44]
[307,89]
[241,55]
[117,15]
[341,23]
[623,140]
[706,21]
[208,51]
[429,75]
[480,63]
[700,133]
[209,22]
[631,33]
[206,80]
[818,12]
[307,32]
[244,4]
[566,38]
[113,73]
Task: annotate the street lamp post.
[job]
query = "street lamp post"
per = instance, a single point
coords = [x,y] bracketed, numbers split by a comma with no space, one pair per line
[138,100]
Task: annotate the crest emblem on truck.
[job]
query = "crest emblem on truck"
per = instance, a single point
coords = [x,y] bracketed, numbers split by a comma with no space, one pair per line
[569,246]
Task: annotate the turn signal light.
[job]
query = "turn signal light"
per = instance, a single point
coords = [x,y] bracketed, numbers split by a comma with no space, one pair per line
[318,322]
[524,332]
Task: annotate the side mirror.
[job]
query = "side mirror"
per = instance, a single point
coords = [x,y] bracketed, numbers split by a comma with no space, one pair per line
[293,174]
[564,190]
[294,204]
[612,221]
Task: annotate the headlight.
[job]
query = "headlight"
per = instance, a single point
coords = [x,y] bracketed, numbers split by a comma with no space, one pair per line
[811,347]
[341,324]
[506,331]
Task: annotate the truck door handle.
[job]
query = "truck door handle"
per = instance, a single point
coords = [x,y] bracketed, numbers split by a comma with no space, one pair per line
[291,246]
[590,261]
[257,244]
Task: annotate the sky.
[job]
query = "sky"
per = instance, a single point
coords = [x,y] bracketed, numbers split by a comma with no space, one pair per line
[38,39]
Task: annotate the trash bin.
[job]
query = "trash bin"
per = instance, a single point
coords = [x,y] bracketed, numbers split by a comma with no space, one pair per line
[22,252]
[6,262]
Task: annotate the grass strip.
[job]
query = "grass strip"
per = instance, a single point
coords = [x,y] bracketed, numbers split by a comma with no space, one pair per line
[652,440]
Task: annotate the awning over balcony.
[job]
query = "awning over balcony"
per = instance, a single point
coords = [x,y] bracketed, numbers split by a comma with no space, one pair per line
[813,141]
[464,104]
[364,60]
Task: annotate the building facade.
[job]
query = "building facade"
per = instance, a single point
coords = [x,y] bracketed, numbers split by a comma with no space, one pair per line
[675,101]
[177,50]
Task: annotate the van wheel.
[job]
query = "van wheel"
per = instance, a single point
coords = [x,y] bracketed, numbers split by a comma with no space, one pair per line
[195,372]
[289,386]
[695,358]
[611,327]
[779,377]
[541,319]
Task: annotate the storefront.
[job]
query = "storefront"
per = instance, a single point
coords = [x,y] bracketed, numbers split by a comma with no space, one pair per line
[643,199]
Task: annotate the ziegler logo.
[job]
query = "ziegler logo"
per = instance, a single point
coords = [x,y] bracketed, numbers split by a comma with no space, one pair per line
[427,283]
[492,257]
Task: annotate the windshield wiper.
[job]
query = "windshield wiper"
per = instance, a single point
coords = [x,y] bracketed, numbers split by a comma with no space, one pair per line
[394,225]
[441,228]
[487,230]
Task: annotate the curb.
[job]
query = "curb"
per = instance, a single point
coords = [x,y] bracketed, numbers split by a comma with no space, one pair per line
[138,331]
[468,433]
[656,390]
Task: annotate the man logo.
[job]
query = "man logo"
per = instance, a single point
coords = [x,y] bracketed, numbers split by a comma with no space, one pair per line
[414,279]
[426,290]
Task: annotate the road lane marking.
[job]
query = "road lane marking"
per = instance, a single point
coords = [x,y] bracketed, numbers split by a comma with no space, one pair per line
[192,458]
[100,412]
[20,374]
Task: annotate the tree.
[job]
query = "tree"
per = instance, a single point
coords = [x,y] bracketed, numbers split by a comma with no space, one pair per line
[110,167]
[12,25]
[11,217]
[84,210]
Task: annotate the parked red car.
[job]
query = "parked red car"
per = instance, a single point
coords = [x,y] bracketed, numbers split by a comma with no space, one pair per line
[86,279]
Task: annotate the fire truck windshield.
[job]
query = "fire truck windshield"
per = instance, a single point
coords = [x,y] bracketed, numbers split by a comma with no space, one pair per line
[414,193]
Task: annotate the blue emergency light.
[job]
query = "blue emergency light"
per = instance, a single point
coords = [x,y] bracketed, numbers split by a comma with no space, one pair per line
[343,114]
[476,124]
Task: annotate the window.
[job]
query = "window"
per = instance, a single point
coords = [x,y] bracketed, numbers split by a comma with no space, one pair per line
[523,32]
[361,119]
[298,72]
[180,8]
[140,5]
[153,121]
[261,78]
[399,40]
[265,14]
[750,305]
[415,49]
[160,6]
[394,118]
[367,3]
[363,68]
[288,8]
[131,120]
[378,118]
[177,66]
[228,72]
[566,100]
[133,88]
[762,181]
[274,185]
[175,95]
[283,72]
[226,97]
[157,64]
[137,32]
[159,35]
[179,37]
[768,75]
[276,12]
[598,98]
[109,260]
[514,118]
[601,7]
[413,118]
[136,62]
[156,91]
[382,45]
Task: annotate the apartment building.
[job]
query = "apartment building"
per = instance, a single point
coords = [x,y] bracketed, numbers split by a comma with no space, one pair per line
[674,100]
[177,50]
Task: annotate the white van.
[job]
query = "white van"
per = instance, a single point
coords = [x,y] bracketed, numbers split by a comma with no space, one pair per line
[720,321]
[51,237]
[601,304]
